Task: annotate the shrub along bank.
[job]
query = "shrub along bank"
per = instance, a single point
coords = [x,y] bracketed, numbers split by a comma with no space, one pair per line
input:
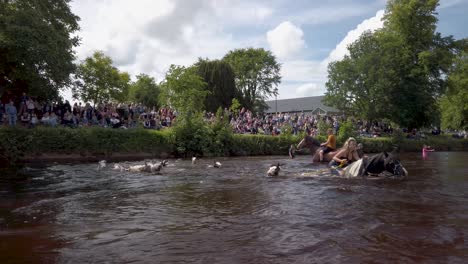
[65,144]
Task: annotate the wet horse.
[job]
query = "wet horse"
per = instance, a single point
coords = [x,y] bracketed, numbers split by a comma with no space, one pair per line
[380,166]
[314,146]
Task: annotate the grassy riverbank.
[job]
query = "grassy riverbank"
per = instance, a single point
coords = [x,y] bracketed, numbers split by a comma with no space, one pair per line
[90,144]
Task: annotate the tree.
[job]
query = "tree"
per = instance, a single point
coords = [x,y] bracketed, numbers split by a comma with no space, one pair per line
[37,38]
[397,72]
[360,84]
[183,89]
[257,74]
[99,81]
[454,106]
[145,91]
[220,79]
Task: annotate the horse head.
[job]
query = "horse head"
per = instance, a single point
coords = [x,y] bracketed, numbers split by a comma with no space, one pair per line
[393,165]
[308,141]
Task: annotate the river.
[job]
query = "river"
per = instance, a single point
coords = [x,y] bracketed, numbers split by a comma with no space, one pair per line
[236,214]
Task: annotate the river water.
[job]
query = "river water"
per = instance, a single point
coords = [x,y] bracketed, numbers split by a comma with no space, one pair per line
[235,214]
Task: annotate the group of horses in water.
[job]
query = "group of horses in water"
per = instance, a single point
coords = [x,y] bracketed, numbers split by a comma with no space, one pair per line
[384,165]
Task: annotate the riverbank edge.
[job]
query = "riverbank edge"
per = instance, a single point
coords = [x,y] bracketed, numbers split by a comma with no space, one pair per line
[63,145]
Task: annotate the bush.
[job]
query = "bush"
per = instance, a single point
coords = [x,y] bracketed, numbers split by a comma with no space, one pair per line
[345,131]
[247,145]
[322,128]
[84,141]
[192,136]
[222,135]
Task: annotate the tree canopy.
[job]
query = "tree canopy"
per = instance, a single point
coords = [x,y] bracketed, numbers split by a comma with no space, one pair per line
[454,104]
[397,72]
[99,81]
[37,38]
[257,74]
[220,83]
[145,91]
[183,89]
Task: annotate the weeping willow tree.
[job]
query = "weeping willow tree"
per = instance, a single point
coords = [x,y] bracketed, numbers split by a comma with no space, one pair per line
[220,79]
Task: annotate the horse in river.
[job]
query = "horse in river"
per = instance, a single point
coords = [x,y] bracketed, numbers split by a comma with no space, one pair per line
[314,146]
[380,166]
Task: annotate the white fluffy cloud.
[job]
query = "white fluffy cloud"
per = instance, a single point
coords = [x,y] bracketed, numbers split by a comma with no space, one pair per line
[146,36]
[310,76]
[286,40]
[341,49]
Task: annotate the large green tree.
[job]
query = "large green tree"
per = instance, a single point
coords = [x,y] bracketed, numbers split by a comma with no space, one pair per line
[220,79]
[397,72]
[257,74]
[183,89]
[37,38]
[454,104]
[97,80]
[145,91]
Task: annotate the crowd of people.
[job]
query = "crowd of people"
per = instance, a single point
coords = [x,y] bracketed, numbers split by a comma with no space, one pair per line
[30,112]
[245,122]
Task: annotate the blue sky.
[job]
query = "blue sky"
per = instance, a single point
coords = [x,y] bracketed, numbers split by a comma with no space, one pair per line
[146,36]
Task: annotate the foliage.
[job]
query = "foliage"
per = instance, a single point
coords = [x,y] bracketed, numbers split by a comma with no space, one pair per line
[13,146]
[36,46]
[222,134]
[257,74]
[85,141]
[34,144]
[322,128]
[235,106]
[345,131]
[99,81]
[398,136]
[145,91]
[397,72]
[249,145]
[454,104]
[219,77]
[184,90]
[192,136]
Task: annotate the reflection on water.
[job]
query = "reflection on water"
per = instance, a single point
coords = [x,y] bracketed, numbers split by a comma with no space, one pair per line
[235,214]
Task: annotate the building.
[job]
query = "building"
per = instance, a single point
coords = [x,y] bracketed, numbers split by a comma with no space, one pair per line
[308,105]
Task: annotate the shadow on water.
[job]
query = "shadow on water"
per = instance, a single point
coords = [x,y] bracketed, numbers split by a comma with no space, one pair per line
[235,214]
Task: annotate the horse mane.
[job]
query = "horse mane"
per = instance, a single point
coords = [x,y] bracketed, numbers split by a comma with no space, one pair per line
[312,141]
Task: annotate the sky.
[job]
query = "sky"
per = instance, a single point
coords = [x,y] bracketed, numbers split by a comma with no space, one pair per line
[147,36]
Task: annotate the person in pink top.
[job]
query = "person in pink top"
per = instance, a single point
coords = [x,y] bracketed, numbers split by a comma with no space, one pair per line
[426,149]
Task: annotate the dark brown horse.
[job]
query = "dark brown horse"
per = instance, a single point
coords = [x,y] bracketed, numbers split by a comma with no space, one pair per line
[314,146]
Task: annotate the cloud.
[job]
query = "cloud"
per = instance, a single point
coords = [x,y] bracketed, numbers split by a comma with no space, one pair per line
[146,36]
[286,40]
[172,26]
[308,77]
[449,3]
[302,71]
[341,49]
[308,89]
[332,13]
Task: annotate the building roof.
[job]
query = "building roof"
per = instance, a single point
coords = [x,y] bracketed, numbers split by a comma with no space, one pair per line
[306,104]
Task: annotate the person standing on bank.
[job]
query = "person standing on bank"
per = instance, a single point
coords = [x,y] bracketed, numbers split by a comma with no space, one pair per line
[328,146]
[12,113]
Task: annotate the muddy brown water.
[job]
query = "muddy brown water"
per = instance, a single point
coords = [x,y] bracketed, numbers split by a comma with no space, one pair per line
[235,214]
